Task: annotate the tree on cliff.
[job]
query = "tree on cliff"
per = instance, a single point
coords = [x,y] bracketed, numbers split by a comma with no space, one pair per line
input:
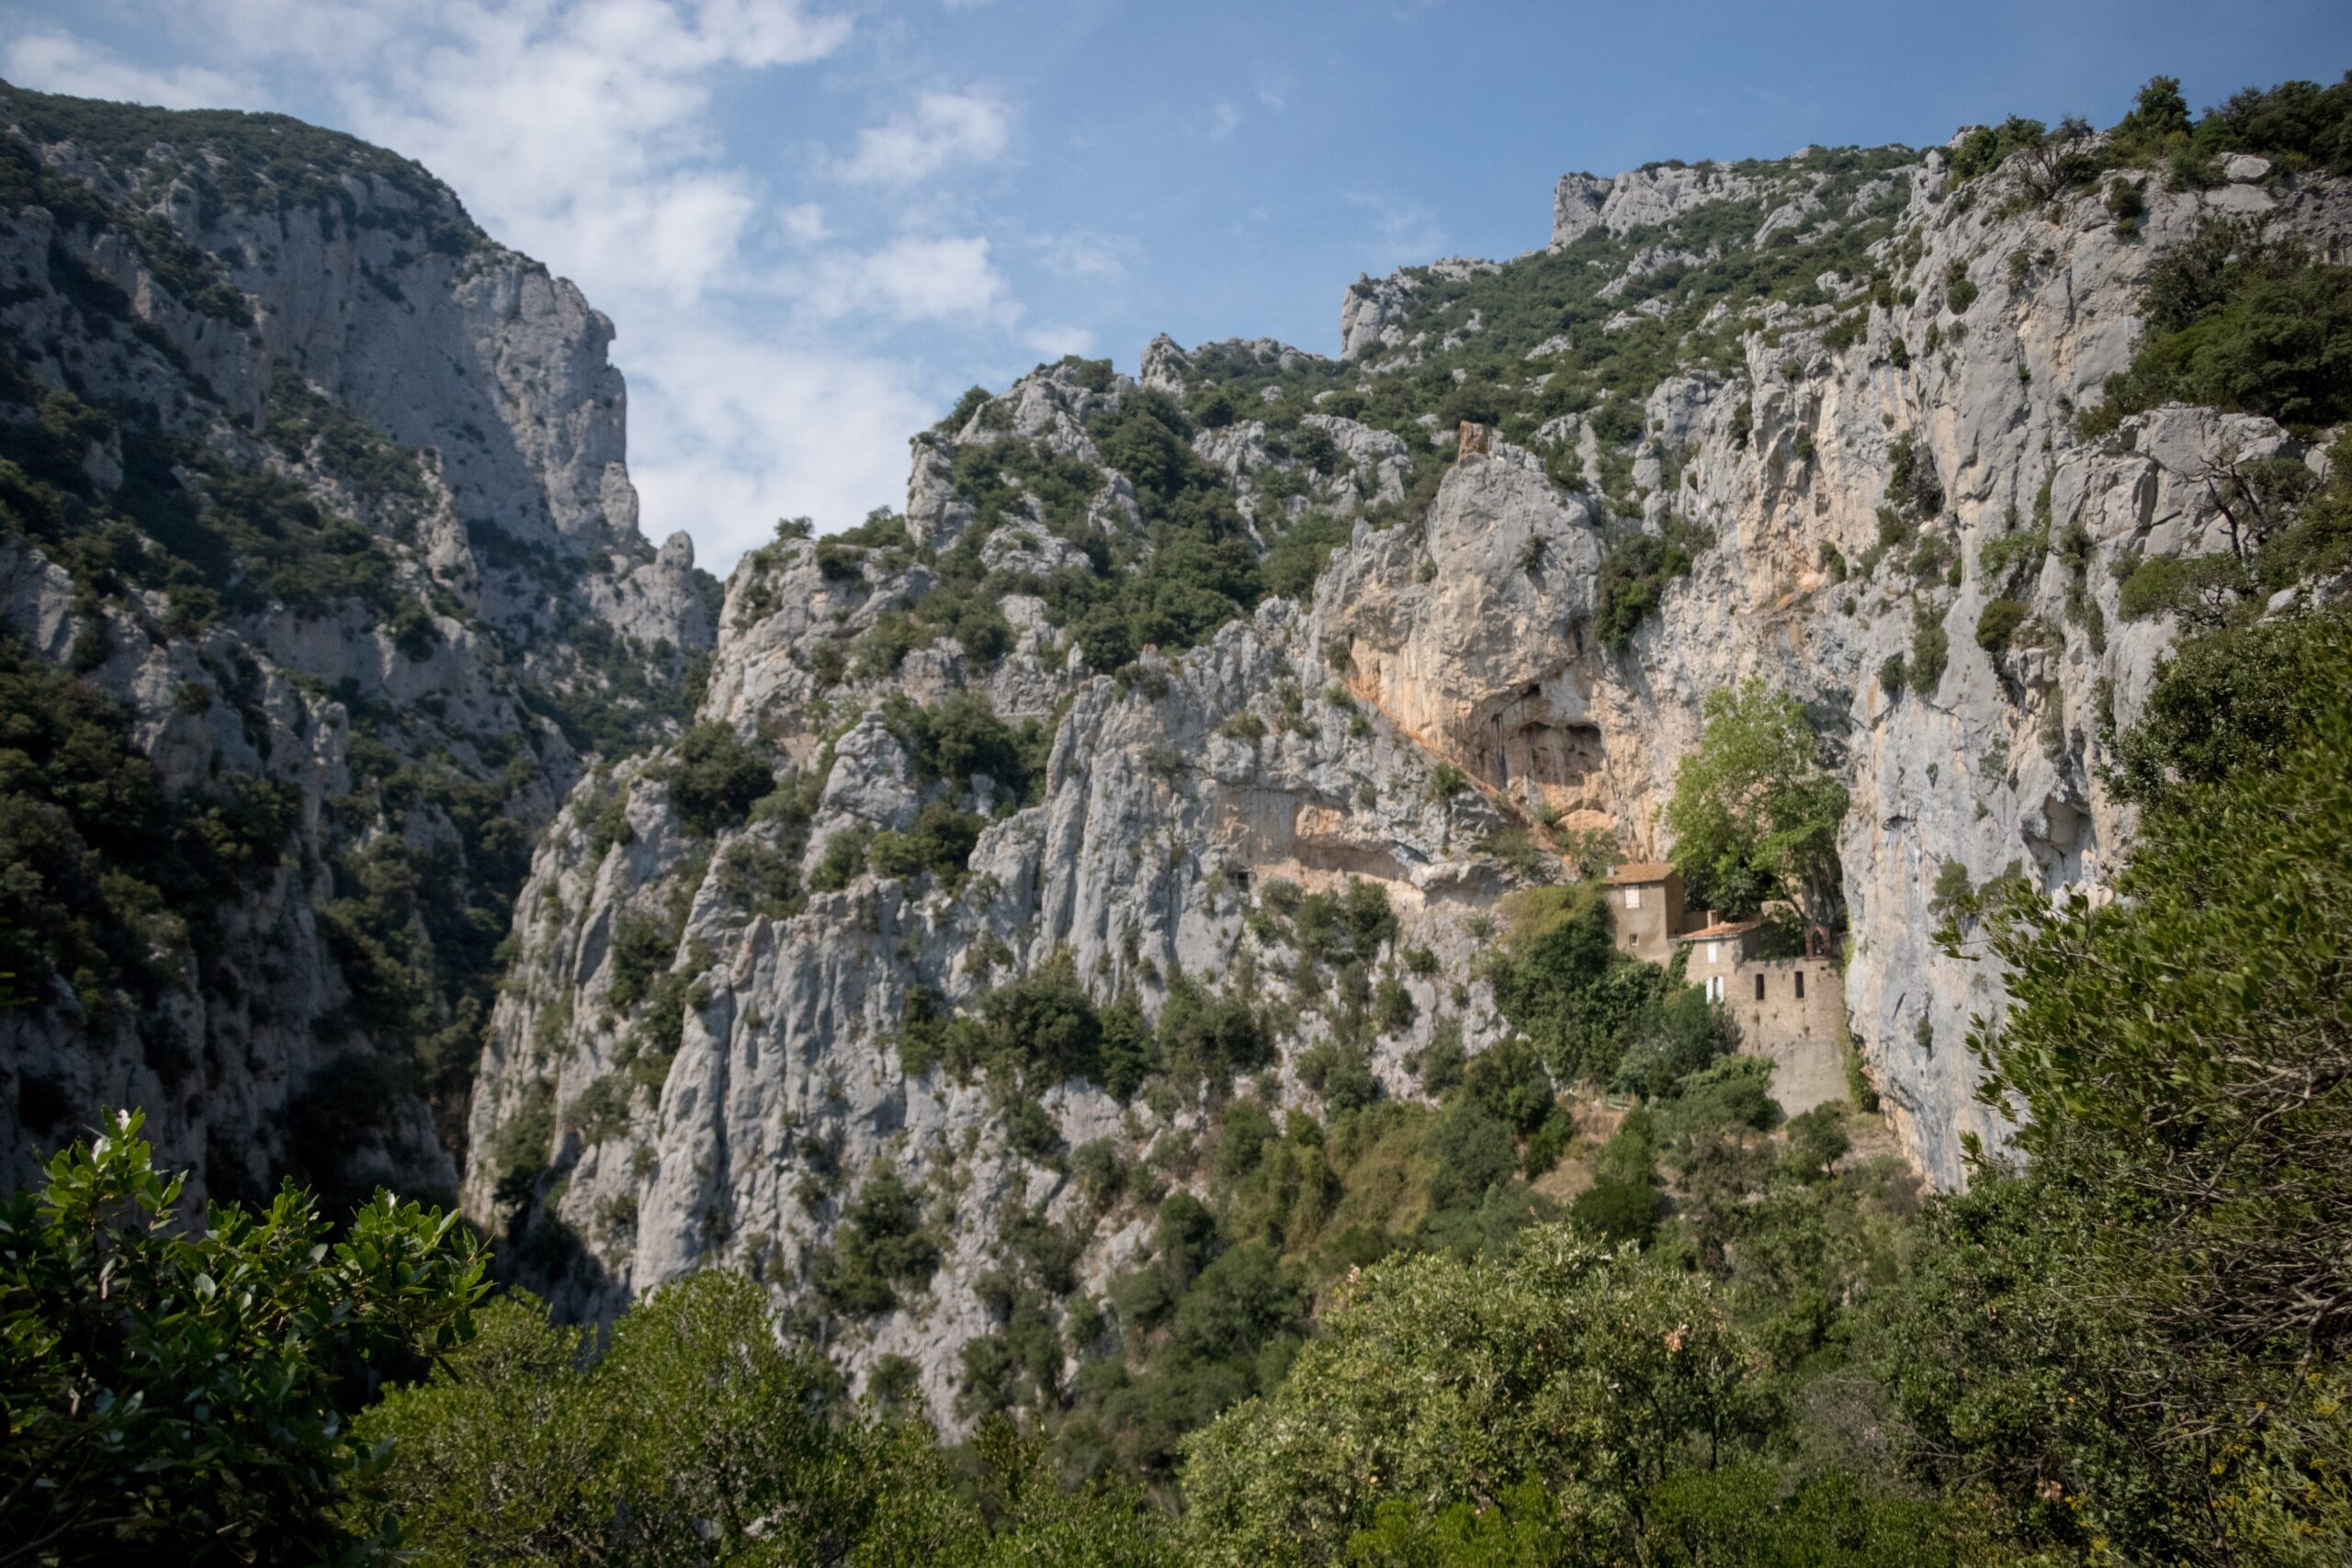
[1755,812]
[2141,1334]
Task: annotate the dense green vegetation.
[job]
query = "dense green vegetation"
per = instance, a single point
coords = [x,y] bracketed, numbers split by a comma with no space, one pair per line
[179,1396]
[1755,811]
[1560,978]
[1634,573]
[2297,125]
[714,779]
[2151,1313]
[2238,319]
[110,888]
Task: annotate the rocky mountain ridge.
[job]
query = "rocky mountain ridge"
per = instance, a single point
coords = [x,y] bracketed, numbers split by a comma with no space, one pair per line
[920,922]
[1805,422]
[324,490]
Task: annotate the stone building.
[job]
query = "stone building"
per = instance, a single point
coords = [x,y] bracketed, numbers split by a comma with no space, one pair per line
[1788,1009]
[1645,908]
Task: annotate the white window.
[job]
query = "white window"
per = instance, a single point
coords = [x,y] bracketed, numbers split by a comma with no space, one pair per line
[1714,952]
[1633,898]
[1714,987]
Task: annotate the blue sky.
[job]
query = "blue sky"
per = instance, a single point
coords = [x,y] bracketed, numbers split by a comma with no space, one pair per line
[815,221]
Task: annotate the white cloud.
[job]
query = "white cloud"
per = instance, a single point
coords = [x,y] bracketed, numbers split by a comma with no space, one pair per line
[59,62]
[913,279]
[1084,254]
[942,130]
[736,436]
[803,221]
[582,134]
[588,134]
[1222,120]
[1055,342]
[1404,232]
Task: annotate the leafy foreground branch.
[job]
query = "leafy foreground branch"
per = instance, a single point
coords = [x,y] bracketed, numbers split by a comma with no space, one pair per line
[184,1397]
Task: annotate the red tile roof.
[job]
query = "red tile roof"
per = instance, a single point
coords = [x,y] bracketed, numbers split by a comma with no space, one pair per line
[1719,930]
[1639,871]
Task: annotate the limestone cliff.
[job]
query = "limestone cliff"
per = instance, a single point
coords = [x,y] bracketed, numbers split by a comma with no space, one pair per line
[325,490]
[369,815]
[1798,420]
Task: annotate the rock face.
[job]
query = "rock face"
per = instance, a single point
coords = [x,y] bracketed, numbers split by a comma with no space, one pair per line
[1577,202]
[1369,315]
[1212,737]
[364,470]
[1854,469]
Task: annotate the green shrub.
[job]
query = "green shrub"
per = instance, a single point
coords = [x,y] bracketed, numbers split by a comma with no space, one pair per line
[1244,726]
[1299,553]
[2202,590]
[1509,1083]
[762,878]
[601,1111]
[702,1421]
[961,737]
[1469,1151]
[1443,1062]
[643,945]
[1733,1092]
[1635,570]
[1618,1209]
[2125,204]
[880,1249]
[1911,485]
[1557,1324]
[1997,621]
[939,840]
[1041,1028]
[2006,553]
[1100,1171]
[1203,1038]
[1560,979]
[1988,147]
[1930,650]
[2230,703]
[957,418]
[2238,319]
[843,860]
[1564,466]
[1960,290]
[714,778]
[1682,1036]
